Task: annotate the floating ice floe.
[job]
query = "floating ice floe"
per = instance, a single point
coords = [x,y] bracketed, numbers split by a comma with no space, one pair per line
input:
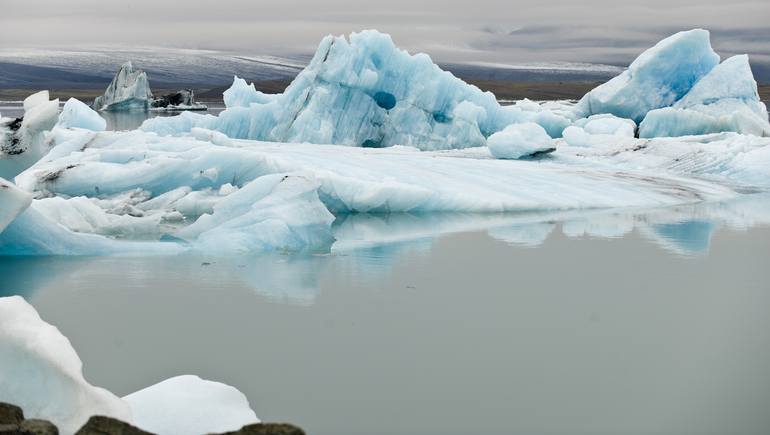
[129,90]
[520,140]
[726,99]
[22,140]
[42,373]
[365,92]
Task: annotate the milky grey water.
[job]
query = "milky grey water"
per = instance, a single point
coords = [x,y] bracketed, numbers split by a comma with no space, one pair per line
[615,322]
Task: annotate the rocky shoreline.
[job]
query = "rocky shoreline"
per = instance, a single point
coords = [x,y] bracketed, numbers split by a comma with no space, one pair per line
[12,422]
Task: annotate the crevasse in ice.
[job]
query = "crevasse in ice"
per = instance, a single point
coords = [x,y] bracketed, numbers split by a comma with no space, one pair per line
[365,92]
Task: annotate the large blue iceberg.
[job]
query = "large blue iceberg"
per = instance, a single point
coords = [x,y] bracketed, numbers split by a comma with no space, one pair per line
[658,78]
[365,92]
[726,99]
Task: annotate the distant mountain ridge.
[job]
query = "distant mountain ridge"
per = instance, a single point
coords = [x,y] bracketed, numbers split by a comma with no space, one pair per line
[171,68]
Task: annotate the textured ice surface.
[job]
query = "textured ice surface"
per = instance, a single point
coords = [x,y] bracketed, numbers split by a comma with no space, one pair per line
[41,373]
[365,92]
[189,405]
[76,114]
[129,90]
[582,133]
[520,140]
[22,143]
[127,191]
[726,99]
[658,78]
[13,201]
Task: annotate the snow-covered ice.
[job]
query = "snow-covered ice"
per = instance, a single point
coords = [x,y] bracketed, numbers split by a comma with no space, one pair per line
[520,140]
[189,405]
[42,373]
[129,90]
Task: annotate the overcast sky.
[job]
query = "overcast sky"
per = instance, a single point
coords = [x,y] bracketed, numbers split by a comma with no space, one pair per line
[510,31]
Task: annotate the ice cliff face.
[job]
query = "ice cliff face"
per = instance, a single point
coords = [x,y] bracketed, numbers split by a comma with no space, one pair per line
[129,90]
[366,92]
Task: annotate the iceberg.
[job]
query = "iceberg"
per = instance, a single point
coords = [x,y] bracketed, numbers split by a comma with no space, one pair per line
[129,90]
[13,201]
[658,78]
[22,139]
[365,92]
[726,99]
[189,405]
[520,140]
[42,373]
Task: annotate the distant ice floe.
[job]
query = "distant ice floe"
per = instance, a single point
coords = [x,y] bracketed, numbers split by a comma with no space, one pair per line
[42,373]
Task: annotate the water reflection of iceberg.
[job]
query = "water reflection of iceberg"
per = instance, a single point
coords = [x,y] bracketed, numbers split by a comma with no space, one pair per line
[369,246]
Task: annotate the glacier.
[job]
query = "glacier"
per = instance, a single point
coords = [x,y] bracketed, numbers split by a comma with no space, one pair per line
[364,92]
[726,99]
[42,373]
[129,90]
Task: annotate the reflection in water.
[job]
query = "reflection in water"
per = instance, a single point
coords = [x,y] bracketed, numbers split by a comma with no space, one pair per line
[367,246]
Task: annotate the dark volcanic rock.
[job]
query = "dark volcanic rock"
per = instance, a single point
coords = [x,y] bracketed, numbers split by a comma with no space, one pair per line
[184,99]
[10,414]
[34,426]
[100,425]
[267,429]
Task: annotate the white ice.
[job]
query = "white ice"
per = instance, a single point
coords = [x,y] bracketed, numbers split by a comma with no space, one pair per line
[520,140]
[42,373]
[585,132]
[189,405]
[76,114]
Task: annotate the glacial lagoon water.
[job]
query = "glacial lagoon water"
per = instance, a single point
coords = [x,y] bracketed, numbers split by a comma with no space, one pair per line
[603,321]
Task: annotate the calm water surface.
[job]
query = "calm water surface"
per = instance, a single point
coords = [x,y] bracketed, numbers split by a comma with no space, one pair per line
[602,322]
